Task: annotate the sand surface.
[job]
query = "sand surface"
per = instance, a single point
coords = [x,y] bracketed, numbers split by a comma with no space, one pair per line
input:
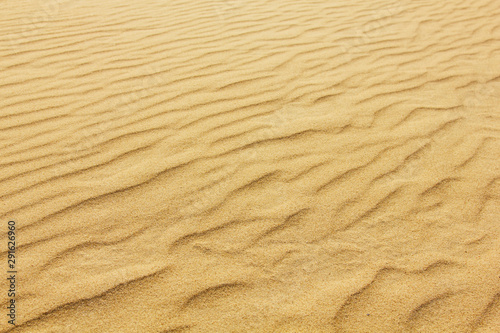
[251,166]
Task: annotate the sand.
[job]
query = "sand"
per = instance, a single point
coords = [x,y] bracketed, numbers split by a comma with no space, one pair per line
[251,166]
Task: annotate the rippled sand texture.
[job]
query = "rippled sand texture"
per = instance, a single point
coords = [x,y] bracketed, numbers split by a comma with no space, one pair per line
[252,166]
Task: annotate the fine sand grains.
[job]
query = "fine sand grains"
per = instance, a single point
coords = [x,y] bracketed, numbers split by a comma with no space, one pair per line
[251,166]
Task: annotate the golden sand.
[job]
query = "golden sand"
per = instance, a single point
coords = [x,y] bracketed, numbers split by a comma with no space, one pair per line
[251,166]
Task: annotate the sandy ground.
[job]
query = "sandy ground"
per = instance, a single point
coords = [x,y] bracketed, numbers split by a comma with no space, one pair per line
[251,166]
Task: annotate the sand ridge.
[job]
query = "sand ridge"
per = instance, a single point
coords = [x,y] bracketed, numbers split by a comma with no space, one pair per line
[263,166]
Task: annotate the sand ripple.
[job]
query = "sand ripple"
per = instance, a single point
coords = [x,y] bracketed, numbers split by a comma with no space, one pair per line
[252,166]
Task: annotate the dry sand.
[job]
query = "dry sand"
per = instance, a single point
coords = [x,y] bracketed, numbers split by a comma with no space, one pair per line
[251,166]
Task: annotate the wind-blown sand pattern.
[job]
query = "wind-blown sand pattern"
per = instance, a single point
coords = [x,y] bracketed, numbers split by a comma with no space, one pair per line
[252,166]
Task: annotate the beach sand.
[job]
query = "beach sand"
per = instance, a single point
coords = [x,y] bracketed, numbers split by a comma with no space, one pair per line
[251,166]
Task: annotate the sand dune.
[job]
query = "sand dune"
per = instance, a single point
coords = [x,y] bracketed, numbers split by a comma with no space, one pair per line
[252,166]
